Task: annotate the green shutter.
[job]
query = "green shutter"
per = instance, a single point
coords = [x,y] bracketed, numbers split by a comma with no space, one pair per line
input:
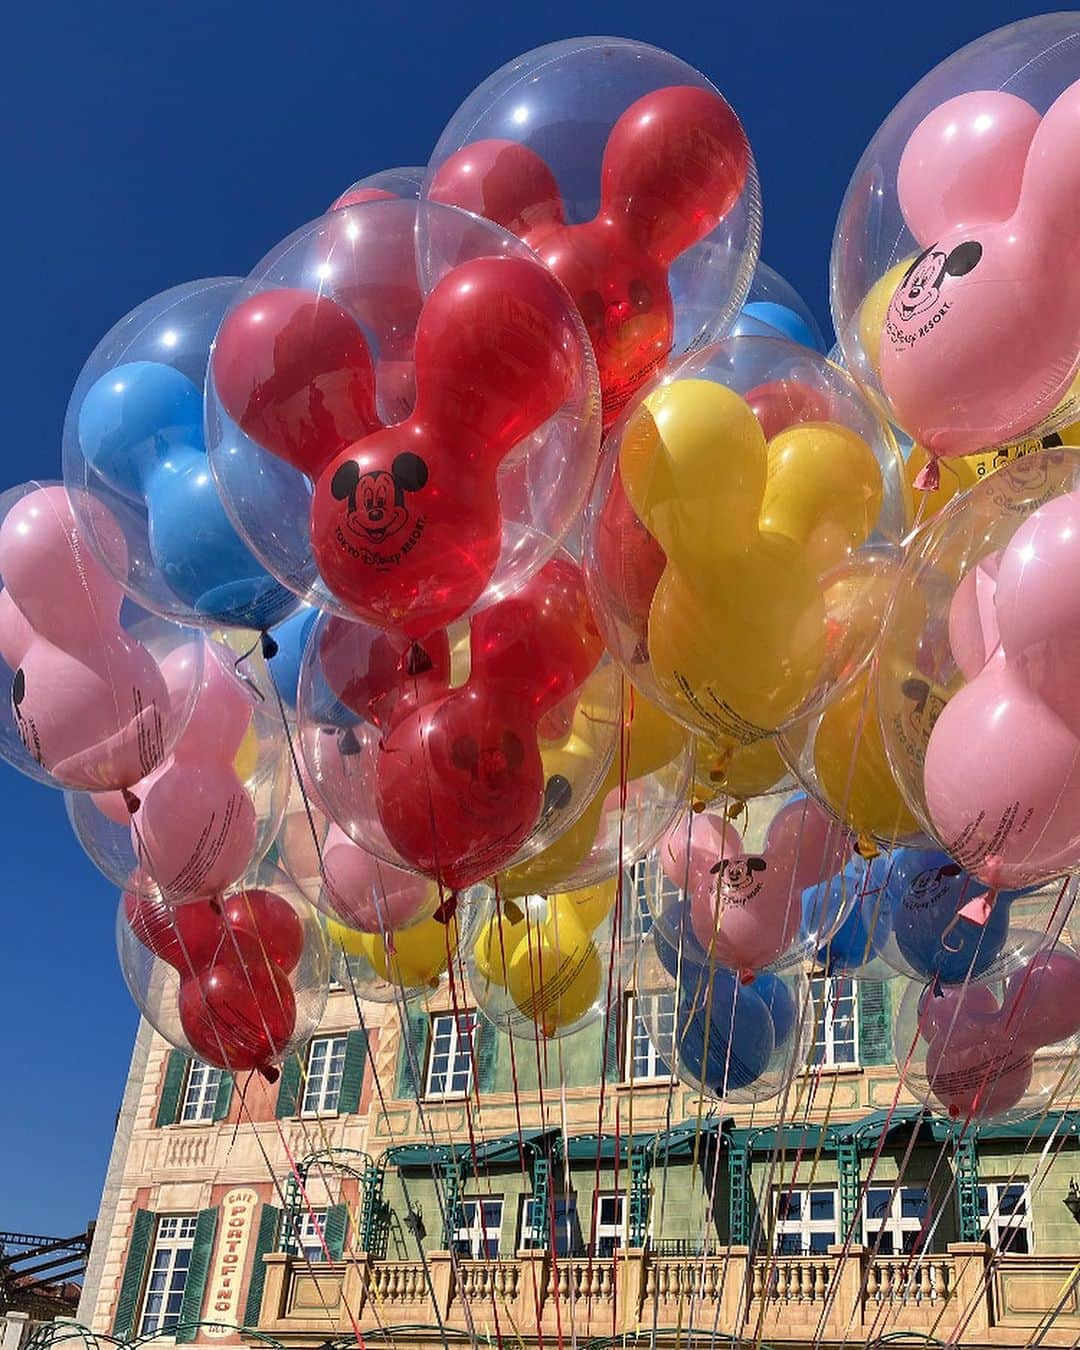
[224,1096]
[486,1053]
[612,1058]
[131,1286]
[288,1094]
[264,1242]
[195,1287]
[414,1037]
[875,1029]
[352,1074]
[337,1223]
[176,1072]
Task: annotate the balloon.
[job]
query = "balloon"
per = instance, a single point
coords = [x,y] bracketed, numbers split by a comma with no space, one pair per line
[406,520]
[774,308]
[673,164]
[133,438]
[803,838]
[692,844]
[858,943]
[557,976]
[1040,1001]
[186,936]
[290,639]
[89,700]
[739,771]
[412,957]
[746,918]
[368,894]
[238,1015]
[382,186]
[724,1036]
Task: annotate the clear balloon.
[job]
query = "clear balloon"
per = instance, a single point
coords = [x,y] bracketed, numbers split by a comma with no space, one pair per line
[946,293]
[631,176]
[382,186]
[973,683]
[740,537]
[774,308]
[133,439]
[402,413]
[88,706]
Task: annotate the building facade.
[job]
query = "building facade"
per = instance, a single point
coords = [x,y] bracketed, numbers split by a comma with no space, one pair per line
[423,1178]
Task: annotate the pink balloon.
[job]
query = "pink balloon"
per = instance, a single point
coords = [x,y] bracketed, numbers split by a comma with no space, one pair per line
[975,1073]
[1002,782]
[806,841]
[973,629]
[982,337]
[1038,605]
[1042,1002]
[964,162]
[369,894]
[89,700]
[195,829]
[746,913]
[690,846]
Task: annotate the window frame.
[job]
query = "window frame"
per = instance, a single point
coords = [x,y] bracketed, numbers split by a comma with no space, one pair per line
[654,1056]
[478,1233]
[566,1214]
[206,1098]
[616,1231]
[310,1236]
[805,1227]
[462,1043]
[894,1224]
[996,1225]
[174,1244]
[327,1073]
[825,1024]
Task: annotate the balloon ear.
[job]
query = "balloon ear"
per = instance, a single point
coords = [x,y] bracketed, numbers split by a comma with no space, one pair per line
[674,166]
[491,355]
[964,258]
[1051,184]
[293,370]
[502,180]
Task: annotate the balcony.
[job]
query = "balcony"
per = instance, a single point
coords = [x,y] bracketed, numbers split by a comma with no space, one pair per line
[962,1295]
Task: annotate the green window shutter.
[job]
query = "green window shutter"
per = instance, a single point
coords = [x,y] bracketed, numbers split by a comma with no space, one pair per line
[485,1053]
[264,1242]
[288,1096]
[414,1039]
[337,1223]
[198,1270]
[176,1072]
[352,1074]
[875,1029]
[612,1038]
[224,1096]
[131,1285]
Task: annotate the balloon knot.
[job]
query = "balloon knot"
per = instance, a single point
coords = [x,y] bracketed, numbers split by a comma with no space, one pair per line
[269,1072]
[130,800]
[978,910]
[697,806]
[866,848]
[935,986]
[928,479]
[736,808]
[746,977]
[447,909]
[417,661]
[349,744]
[269,646]
[512,911]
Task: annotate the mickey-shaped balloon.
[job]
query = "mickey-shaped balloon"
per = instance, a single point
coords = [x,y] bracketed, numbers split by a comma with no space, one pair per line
[982,337]
[405,520]
[89,700]
[674,165]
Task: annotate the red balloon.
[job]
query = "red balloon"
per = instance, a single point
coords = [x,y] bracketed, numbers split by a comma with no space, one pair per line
[263,923]
[365,670]
[785,403]
[627,563]
[238,1014]
[674,165]
[187,936]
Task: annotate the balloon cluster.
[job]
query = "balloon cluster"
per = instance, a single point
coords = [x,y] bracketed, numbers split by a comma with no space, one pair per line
[504,551]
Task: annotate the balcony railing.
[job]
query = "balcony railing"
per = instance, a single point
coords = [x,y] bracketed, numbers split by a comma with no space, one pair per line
[964,1293]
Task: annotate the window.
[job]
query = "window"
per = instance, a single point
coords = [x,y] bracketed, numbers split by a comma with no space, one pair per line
[478,1227]
[322,1085]
[651,1043]
[896,1220]
[451,1062]
[560,1222]
[169,1265]
[310,1228]
[1005,1207]
[835,1022]
[805,1220]
[200,1092]
[610,1223]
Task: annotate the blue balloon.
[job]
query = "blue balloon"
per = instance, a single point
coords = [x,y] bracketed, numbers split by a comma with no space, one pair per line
[673,930]
[776,996]
[863,933]
[724,1041]
[765,318]
[926,888]
[291,638]
[140,429]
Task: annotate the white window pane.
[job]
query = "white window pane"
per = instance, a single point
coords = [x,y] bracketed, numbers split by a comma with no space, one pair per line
[450,1066]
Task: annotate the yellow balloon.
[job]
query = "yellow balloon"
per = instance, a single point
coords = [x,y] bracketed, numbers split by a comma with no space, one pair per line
[558,976]
[420,953]
[852,770]
[824,491]
[874,309]
[497,942]
[591,905]
[741,771]
[247,757]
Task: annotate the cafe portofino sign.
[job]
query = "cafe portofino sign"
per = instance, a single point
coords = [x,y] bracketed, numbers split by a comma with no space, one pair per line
[227,1270]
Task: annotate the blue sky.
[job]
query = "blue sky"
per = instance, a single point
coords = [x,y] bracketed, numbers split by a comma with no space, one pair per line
[146,145]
